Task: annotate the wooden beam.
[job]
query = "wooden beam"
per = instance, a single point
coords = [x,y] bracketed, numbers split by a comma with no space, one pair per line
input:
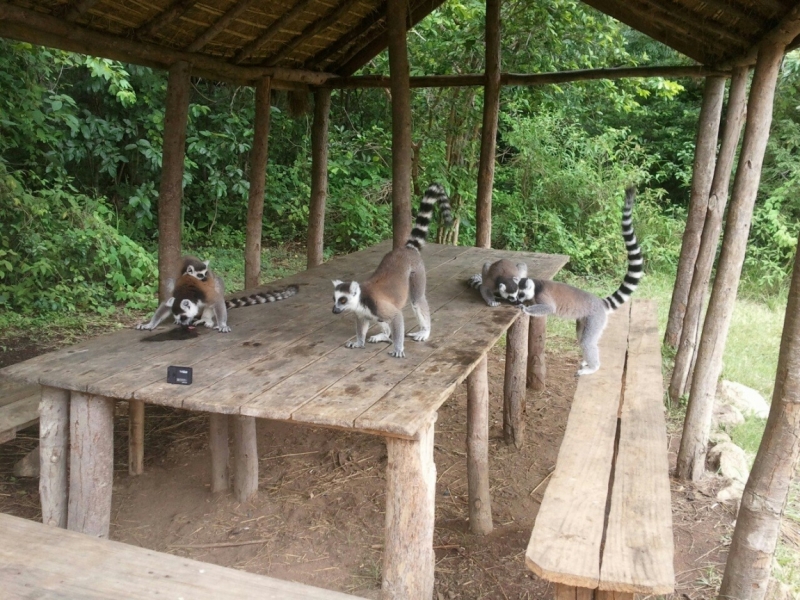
[259,155]
[245,458]
[697,426]
[705,158]
[174,12]
[319,177]
[54,455]
[314,28]
[401,121]
[367,23]
[135,437]
[782,35]
[219,448]
[509,79]
[38,28]
[491,109]
[514,384]
[219,26]
[77,9]
[671,15]
[537,366]
[746,20]
[480,500]
[270,32]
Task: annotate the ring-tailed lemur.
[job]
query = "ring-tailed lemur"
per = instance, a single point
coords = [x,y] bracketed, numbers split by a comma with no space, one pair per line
[400,274]
[589,311]
[499,278]
[199,297]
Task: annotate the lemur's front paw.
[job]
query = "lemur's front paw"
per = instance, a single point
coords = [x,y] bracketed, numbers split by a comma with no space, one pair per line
[380,337]
[397,354]
[354,345]
[419,336]
[144,326]
[493,303]
[223,329]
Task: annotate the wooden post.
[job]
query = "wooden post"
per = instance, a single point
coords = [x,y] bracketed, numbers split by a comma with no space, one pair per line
[220,451]
[758,523]
[480,502]
[319,176]
[170,190]
[396,18]
[697,426]
[718,198]
[702,174]
[53,455]
[537,367]
[491,107]
[135,437]
[514,385]
[258,178]
[245,458]
[91,463]
[408,558]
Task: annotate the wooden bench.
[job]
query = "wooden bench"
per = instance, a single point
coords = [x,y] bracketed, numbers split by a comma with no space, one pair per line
[48,563]
[19,407]
[604,529]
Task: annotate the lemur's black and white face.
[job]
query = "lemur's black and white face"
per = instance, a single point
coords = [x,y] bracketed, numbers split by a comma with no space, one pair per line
[200,272]
[507,288]
[345,296]
[186,312]
[517,291]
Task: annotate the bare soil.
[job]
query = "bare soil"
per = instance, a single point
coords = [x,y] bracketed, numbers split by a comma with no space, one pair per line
[318,517]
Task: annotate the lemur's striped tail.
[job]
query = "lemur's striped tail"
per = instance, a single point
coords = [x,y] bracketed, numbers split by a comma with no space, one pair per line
[635,262]
[262,297]
[435,194]
[475,281]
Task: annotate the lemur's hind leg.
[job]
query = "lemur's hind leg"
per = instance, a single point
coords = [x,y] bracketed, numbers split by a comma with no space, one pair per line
[579,325]
[383,336]
[398,330]
[416,289]
[592,329]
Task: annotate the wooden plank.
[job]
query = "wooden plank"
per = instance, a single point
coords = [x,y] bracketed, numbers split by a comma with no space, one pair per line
[11,391]
[21,413]
[565,543]
[639,544]
[35,565]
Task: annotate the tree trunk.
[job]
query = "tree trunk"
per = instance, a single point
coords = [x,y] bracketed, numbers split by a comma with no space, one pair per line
[480,505]
[491,107]
[717,200]
[697,426]
[515,378]
[53,455]
[258,179]
[319,176]
[758,524]
[135,437]
[170,190]
[396,13]
[702,173]
[245,458]
[537,367]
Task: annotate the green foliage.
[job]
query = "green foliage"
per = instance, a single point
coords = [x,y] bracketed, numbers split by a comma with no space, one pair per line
[59,252]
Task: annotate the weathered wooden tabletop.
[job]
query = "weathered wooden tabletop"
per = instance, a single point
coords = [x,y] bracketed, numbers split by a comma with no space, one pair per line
[287,360]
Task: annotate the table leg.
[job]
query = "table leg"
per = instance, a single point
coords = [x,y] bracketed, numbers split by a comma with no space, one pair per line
[480,503]
[514,385]
[220,451]
[537,368]
[408,558]
[245,458]
[570,592]
[135,437]
[53,455]
[91,463]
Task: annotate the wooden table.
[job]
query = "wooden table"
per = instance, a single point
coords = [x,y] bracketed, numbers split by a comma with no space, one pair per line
[287,361]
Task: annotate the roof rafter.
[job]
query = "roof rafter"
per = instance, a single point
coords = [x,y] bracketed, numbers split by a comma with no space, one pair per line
[219,26]
[367,23]
[270,32]
[175,11]
[784,34]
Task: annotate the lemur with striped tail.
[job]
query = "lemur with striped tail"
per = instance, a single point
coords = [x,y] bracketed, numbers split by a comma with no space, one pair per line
[400,275]
[499,278]
[590,312]
[198,296]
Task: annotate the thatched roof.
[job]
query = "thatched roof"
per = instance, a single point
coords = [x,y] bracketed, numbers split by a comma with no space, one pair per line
[309,41]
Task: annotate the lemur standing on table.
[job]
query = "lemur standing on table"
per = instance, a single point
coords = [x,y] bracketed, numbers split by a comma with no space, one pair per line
[499,278]
[590,312]
[199,297]
[400,274]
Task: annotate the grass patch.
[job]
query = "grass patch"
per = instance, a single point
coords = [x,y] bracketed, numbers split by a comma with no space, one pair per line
[748,435]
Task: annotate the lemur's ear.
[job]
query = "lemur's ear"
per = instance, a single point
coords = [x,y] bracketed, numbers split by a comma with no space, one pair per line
[502,287]
[336,282]
[206,263]
[515,279]
[354,287]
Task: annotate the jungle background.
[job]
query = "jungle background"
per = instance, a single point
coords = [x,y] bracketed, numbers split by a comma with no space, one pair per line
[80,161]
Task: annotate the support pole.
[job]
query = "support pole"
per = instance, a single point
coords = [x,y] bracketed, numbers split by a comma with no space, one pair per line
[396,17]
[170,191]
[220,452]
[91,464]
[514,386]
[408,559]
[718,198]
[697,426]
[480,502]
[702,174]
[258,178]
[758,524]
[537,367]
[245,457]
[319,176]
[491,108]
[53,455]
[135,437]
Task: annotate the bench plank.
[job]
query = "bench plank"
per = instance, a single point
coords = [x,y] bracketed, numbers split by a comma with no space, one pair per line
[48,563]
[565,544]
[19,407]
[639,545]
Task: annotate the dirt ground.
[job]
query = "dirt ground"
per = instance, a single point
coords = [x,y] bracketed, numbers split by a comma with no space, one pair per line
[318,517]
